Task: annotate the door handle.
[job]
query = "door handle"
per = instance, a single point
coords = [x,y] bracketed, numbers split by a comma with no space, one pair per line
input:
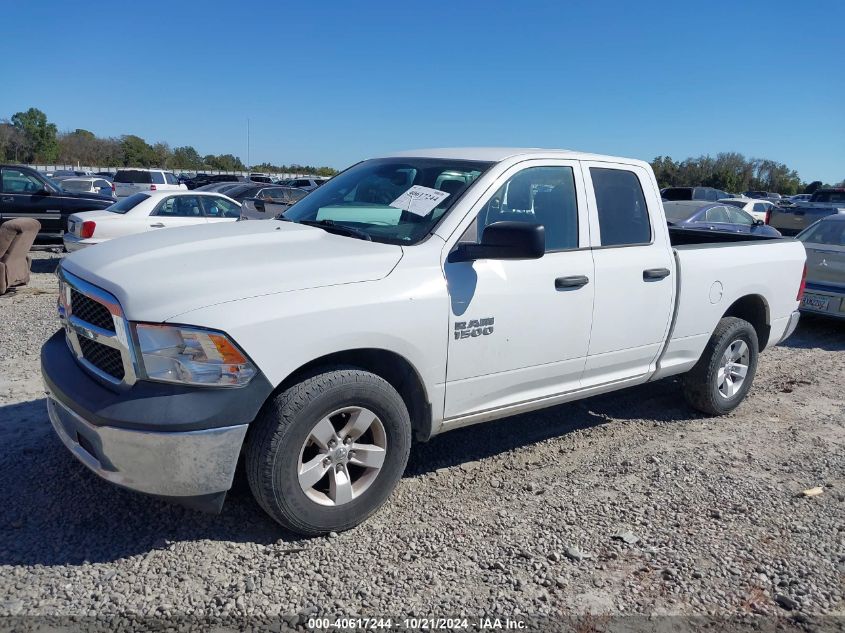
[654,274]
[7,199]
[573,282]
[157,225]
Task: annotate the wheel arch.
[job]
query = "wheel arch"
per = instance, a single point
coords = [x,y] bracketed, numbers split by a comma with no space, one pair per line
[392,367]
[754,309]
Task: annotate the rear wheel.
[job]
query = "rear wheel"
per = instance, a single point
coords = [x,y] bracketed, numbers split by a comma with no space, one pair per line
[721,378]
[327,452]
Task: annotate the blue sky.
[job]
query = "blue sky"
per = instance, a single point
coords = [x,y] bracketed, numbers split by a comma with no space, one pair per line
[335,82]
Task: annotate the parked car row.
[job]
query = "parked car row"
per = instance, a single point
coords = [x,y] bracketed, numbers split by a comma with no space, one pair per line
[200,180]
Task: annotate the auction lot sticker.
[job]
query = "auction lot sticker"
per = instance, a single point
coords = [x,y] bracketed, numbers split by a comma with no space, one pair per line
[419,200]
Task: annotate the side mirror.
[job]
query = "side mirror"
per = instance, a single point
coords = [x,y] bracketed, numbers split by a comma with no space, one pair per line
[45,191]
[758,223]
[504,240]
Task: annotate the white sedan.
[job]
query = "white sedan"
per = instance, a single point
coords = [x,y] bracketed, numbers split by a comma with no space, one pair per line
[148,211]
[758,209]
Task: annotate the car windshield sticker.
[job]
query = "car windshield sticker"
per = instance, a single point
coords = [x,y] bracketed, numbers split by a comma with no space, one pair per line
[419,200]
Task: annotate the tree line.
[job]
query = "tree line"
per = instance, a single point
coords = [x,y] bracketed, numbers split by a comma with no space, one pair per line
[29,137]
[732,172]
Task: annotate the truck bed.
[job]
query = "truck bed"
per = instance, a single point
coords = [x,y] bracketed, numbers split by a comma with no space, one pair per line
[715,270]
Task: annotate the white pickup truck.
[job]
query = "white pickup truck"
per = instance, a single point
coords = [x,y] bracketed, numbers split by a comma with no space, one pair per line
[408,296]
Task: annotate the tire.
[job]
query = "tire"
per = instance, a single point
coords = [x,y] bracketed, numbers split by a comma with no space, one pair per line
[289,434]
[701,384]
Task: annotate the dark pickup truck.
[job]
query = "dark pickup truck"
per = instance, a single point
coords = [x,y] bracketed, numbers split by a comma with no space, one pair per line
[25,193]
[793,220]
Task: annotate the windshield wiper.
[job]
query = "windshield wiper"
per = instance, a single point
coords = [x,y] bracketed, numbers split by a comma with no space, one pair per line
[332,226]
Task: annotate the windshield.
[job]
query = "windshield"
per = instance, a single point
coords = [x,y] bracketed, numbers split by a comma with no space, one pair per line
[128,203]
[393,200]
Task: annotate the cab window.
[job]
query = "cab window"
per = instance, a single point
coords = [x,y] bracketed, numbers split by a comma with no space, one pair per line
[621,207]
[537,195]
[16,181]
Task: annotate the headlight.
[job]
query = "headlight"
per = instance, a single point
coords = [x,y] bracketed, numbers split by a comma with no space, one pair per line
[173,353]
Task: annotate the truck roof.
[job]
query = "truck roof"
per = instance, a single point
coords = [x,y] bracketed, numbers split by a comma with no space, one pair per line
[498,154]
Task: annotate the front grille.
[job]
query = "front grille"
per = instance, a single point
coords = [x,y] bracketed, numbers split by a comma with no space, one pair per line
[106,359]
[90,311]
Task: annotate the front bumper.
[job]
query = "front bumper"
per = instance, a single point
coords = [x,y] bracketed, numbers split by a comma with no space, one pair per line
[174,441]
[188,464]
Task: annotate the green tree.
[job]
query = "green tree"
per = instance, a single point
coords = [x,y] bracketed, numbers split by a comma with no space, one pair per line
[136,151]
[163,155]
[186,158]
[224,162]
[40,135]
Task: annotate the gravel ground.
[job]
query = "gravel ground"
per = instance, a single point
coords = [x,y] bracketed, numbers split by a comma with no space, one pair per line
[628,503]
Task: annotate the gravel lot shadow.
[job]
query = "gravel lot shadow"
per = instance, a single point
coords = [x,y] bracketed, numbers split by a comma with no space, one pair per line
[816,332]
[45,265]
[659,400]
[55,512]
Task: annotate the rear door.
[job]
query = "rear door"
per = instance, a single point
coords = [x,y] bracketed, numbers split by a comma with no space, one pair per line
[23,195]
[174,211]
[634,272]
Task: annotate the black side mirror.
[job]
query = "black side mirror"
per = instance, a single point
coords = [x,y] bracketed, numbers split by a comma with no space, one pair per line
[45,191]
[504,240]
[758,223]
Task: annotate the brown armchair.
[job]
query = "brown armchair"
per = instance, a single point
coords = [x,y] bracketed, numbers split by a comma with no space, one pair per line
[16,238]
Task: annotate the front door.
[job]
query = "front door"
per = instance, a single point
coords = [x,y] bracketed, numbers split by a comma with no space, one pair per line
[519,329]
[22,195]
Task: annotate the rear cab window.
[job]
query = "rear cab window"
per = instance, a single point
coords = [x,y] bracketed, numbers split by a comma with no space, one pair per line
[133,176]
[621,207]
[157,177]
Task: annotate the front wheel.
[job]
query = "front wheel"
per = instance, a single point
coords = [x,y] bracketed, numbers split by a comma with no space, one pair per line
[327,452]
[721,378]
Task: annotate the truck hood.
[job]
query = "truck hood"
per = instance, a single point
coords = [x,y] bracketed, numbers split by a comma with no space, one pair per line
[158,276]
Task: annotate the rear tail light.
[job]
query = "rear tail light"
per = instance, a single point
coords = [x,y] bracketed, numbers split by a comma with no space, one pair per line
[152,187]
[87,229]
[112,188]
[768,215]
[803,284]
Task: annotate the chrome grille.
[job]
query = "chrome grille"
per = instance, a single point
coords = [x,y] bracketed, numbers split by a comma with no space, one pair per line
[91,311]
[103,357]
[96,331]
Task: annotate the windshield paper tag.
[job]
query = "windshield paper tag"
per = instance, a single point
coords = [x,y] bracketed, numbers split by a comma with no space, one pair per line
[419,200]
